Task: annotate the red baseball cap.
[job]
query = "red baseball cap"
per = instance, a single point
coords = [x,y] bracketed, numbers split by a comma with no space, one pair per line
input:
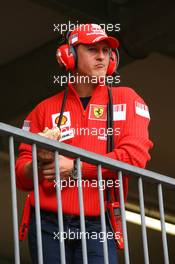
[89,34]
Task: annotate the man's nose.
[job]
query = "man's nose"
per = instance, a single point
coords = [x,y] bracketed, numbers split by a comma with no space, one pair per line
[100,54]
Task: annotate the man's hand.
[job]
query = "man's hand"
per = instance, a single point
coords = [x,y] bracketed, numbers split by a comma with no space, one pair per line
[46,160]
[66,166]
[44,156]
[46,166]
[47,170]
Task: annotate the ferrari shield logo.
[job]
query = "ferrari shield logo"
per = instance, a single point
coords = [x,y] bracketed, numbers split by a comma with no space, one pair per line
[98,112]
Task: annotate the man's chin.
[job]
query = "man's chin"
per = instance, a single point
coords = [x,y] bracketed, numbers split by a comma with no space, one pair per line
[98,76]
[96,79]
[100,73]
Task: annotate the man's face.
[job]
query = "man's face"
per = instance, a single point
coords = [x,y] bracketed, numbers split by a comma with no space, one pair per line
[93,59]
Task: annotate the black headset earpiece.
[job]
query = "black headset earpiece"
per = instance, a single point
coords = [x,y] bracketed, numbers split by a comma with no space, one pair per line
[118,58]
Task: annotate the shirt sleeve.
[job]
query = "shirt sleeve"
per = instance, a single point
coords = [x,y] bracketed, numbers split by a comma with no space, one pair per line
[34,125]
[134,143]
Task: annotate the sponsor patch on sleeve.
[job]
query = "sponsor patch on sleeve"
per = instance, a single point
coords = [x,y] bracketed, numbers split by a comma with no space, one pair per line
[119,112]
[26,125]
[142,110]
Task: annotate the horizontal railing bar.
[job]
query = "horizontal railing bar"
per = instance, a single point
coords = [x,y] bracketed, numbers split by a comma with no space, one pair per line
[84,155]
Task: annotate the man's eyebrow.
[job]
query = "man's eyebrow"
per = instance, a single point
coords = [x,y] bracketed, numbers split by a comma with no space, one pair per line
[94,45]
[90,45]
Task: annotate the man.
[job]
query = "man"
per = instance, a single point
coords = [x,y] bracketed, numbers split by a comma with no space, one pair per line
[85,107]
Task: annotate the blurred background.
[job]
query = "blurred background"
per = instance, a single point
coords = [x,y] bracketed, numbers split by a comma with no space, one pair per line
[147,64]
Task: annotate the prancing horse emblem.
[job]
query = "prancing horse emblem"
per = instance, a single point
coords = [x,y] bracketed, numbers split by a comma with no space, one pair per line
[98,111]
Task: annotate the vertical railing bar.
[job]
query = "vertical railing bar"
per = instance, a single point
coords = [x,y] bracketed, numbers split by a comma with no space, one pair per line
[102,214]
[125,236]
[14,200]
[37,204]
[162,220]
[143,225]
[59,208]
[81,206]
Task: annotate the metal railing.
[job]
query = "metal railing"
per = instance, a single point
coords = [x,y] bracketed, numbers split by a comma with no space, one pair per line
[100,161]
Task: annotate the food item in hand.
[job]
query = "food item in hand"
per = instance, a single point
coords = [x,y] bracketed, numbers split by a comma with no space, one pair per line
[53,133]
